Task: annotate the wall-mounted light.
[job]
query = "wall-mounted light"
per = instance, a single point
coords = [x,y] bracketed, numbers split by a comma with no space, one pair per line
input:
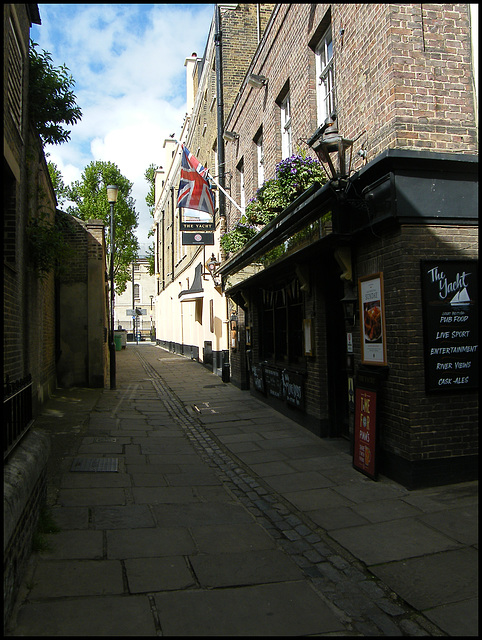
[349,303]
[230,136]
[257,81]
[212,264]
[326,141]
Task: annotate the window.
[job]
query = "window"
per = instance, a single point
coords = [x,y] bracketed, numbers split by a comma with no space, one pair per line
[137,292]
[325,78]
[286,147]
[260,157]
[15,78]
[282,324]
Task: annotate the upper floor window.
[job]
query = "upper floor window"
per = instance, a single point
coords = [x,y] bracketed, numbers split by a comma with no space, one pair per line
[286,146]
[325,78]
[15,78]
[137,292]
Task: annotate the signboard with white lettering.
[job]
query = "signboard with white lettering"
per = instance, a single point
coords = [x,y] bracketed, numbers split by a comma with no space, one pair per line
[293,388]
[450,315]
[364,450]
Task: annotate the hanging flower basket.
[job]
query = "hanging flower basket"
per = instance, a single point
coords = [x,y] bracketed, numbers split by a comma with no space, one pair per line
[292,177]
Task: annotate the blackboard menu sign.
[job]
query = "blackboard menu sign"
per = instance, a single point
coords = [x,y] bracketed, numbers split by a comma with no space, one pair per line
[258,378]
[272,379]
[450,315]
[293,388]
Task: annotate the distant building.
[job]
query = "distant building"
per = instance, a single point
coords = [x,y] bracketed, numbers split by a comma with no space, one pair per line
[140,294]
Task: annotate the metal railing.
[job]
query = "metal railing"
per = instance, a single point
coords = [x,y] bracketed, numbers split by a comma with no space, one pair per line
[17,412]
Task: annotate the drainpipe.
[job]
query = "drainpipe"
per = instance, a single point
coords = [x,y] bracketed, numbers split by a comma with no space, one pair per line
[220,115]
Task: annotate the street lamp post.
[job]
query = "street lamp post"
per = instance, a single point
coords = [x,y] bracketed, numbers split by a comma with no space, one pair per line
[112,199]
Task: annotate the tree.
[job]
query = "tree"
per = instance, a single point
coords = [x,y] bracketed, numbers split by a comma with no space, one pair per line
[51,100]
[57,183]
[90,197]
[150,176]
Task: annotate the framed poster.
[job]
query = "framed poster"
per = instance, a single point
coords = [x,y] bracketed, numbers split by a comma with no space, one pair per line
[372,320]
[451,328]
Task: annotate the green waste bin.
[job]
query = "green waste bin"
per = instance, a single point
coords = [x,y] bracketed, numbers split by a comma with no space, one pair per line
[118,341]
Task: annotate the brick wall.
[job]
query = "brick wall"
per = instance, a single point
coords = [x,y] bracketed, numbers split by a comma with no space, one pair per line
[402,72]
[416,425]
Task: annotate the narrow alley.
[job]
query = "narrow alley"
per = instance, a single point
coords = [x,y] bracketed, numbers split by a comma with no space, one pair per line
[188,507]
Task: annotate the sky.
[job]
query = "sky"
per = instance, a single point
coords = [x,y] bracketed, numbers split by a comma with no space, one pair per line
[127,61]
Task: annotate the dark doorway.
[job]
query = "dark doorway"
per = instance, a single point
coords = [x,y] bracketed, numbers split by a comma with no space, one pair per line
[336,354]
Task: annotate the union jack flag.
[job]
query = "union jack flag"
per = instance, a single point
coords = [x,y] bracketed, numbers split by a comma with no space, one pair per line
[194,190]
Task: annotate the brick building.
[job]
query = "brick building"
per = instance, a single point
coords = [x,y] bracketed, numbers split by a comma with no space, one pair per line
[190,309]
[396,219]
[53,327]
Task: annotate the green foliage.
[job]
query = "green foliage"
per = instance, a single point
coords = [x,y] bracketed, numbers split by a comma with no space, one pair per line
[57,183]
[292,177]
[150,176]
[48,249]
[238,237]
[51,99]
[150,255]
[90,197]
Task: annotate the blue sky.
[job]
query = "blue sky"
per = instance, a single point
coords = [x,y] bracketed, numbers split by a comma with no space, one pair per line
[127,61]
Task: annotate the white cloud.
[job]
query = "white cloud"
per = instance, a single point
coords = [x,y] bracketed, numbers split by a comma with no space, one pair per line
[127,61]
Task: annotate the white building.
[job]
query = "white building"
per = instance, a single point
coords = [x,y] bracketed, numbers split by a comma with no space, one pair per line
[141,294]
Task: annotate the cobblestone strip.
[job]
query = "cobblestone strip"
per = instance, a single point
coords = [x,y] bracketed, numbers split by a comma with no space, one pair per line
[357,597]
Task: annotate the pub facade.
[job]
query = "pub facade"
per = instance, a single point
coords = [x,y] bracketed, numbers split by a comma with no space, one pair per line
[354,310]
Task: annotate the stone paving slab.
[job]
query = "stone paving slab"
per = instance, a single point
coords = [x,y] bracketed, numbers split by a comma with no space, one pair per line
[92,496]
[298,481]
[158,574]
[187,515]
[313,499]
[285,609]
[74,545]
[462,524]
[393,540]
[432,580]
[149,543]
[336,518]
[92,616]
[382,510]
[230,537]
[122,517]
[457,619]
[164,495]
[71,517]
[244,568]
[62,578]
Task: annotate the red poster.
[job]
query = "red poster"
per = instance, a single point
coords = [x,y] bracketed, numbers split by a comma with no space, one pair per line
[365,430]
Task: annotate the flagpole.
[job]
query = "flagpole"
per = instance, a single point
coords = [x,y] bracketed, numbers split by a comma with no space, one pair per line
[219,186]
[225,192]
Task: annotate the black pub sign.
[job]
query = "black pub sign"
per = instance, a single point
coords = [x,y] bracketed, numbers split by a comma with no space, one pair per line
[450,316]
